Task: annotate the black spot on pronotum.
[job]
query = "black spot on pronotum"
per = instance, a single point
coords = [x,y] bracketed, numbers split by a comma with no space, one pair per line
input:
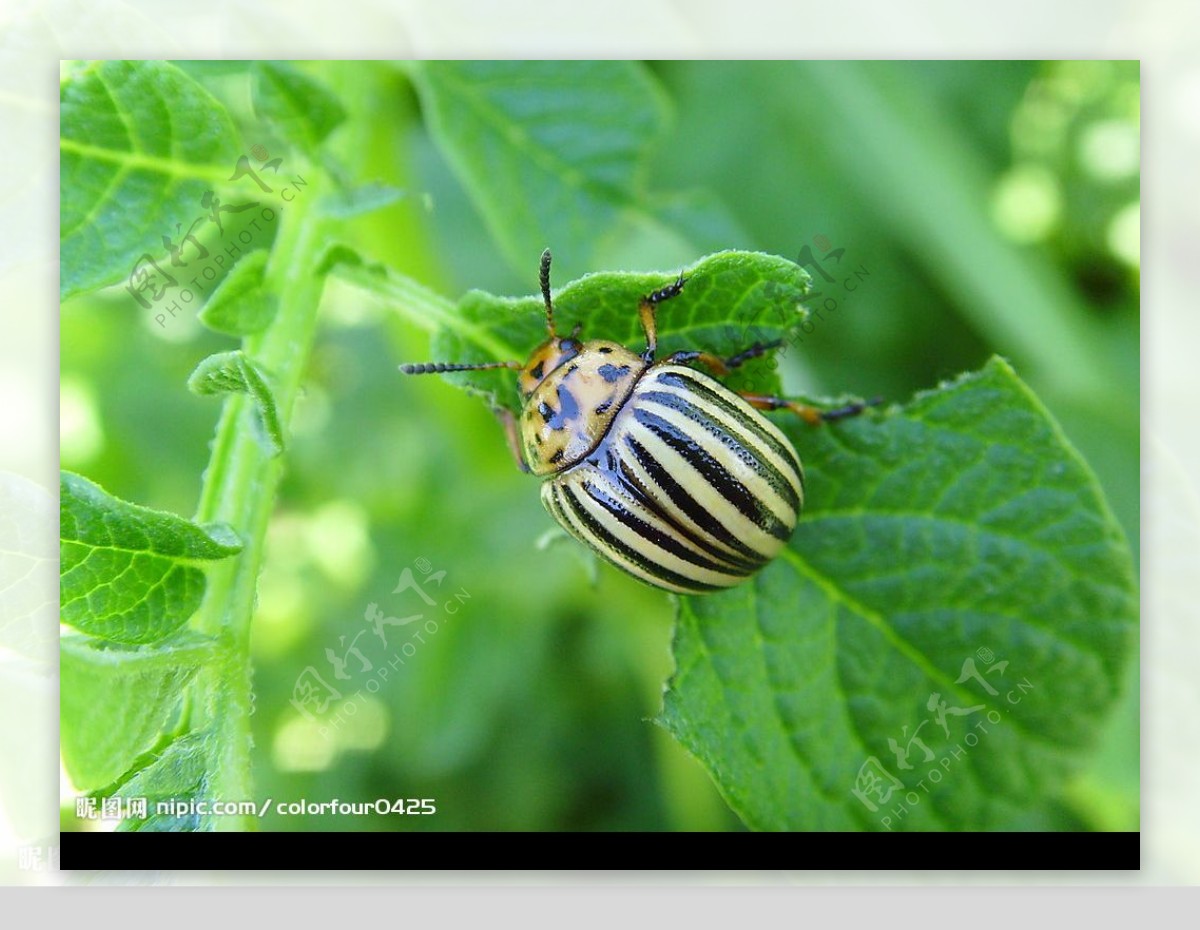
[568,409]
[611,373]
[605,350]
[536,370]
[570,371]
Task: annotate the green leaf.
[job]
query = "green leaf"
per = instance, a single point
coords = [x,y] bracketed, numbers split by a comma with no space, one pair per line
[241,304]
[116,700]
[344,203]
[302,108]
[960,527]
[730,301]
[128,573]
[174,774]
[551,152]
[337,256]
[234,373]
[140,143]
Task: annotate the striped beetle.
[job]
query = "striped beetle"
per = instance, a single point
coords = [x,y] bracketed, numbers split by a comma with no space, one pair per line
[668,474]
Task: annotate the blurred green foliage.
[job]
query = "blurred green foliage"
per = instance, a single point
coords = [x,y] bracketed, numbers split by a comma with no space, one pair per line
[994,207]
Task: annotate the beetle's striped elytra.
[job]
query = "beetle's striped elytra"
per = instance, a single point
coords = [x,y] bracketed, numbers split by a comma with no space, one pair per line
[691,489]
[658,467]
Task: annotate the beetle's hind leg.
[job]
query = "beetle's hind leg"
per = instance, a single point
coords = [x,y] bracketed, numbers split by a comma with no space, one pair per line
[811,415]
[723,366]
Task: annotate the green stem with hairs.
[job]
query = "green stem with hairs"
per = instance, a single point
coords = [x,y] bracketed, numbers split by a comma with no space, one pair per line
[239,489]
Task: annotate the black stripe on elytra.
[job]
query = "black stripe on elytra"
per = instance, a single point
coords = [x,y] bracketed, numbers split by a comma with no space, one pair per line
[607,541]
[689,505]
[622,514]
[554,504]
[625,476]
[615,466]
[783,450]
[730,438]
[551,502]
[712,471]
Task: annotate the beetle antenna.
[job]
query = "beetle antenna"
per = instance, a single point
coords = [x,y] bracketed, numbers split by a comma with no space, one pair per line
[434,368]
[544,278]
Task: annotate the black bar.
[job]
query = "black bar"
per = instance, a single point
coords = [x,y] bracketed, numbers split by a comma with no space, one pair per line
[1024,852]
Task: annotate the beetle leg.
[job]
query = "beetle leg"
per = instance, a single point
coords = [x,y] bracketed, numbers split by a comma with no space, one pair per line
[720,366]
[714,364]
[811,415]
[646,312]
[646,309]
[759,348]
[509,422]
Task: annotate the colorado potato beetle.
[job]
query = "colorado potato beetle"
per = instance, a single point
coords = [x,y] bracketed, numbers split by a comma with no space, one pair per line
[658,467]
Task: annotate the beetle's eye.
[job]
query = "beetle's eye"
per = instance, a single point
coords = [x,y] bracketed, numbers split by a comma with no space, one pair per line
[570,345]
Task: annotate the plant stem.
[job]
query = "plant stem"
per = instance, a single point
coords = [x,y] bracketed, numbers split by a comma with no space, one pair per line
[239,489]
[422,306]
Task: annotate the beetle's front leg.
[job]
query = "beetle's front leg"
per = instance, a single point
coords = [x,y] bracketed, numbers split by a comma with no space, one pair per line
[509,422]
[646,310]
